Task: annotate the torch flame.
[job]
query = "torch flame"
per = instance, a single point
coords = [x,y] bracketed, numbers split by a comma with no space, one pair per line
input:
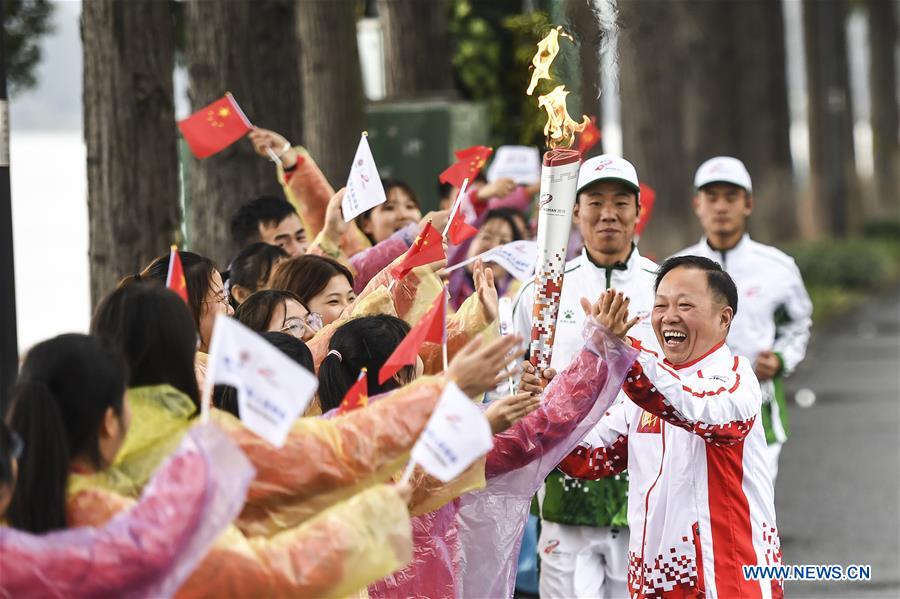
[560,128]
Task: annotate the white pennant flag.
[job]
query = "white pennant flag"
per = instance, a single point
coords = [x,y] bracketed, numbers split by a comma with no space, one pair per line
[456,435]
[516,257]
[364,189]
[522,164]
[272,390]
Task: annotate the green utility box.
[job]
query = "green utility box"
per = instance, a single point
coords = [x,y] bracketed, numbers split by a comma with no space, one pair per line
[415,140]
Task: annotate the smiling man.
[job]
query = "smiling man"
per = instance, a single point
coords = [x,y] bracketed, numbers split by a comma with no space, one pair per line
[772,330]
[583,544]
[700,499]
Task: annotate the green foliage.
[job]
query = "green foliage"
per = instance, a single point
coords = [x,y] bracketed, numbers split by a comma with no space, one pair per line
[840,273]
[492,55]
[24,23]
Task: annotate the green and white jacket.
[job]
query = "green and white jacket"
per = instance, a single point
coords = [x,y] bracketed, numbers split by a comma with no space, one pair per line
[567,500]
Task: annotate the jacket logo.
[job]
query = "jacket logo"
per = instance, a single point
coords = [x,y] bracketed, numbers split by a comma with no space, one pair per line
[551,545]
[649,423]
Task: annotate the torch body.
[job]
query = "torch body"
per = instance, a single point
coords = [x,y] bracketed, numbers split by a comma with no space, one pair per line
[559,181]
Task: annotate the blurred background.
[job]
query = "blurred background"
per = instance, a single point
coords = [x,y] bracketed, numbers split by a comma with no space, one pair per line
[805,92]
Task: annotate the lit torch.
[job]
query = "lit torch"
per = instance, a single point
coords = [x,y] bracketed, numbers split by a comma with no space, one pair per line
[559,179]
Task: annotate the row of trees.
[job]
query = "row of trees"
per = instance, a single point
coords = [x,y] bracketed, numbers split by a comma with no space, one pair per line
[697,77]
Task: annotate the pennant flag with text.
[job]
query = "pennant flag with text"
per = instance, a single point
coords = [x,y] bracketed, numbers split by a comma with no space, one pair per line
[272,389]
[364,189]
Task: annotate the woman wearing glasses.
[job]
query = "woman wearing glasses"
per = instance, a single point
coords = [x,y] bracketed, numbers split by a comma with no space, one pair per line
[276,310]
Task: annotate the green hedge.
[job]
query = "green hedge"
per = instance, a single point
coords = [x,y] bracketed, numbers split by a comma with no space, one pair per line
[840,273]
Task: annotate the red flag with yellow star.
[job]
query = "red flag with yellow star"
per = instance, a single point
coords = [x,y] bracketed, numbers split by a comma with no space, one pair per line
[175,277]
[357,396]
[427,248]
[648,198]
[469,163]
[430,328]
[215,127]
[588,138]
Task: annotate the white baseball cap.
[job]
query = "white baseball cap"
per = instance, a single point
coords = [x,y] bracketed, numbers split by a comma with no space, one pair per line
[723,169]
[607,167]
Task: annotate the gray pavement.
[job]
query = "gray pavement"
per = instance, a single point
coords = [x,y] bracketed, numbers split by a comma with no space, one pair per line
[838,490]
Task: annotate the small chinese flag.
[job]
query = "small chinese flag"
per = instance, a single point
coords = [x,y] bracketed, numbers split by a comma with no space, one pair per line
[588,138]
[175,277]
[430,328]
[357,396]
[469,163]
[215,127]
[648,198]
[458,230]
[427,248]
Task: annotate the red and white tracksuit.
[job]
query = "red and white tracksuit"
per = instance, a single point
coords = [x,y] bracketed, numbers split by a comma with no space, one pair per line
[700,502]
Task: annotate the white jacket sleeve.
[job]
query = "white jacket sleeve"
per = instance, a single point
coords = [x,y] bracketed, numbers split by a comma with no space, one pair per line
[719,406]
[792,337]
[604,451]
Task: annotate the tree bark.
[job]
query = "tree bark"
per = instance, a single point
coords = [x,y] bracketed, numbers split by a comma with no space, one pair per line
[831,156]
[249,48]
[416,48]
[129,129]
[713,94]
[332,95]
[885,118]
[583,23]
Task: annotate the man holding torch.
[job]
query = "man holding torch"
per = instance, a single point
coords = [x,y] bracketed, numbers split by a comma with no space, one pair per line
[583,544]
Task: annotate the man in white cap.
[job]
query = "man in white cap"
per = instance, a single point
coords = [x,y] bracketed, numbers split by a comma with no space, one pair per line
[583,544]
[772,329]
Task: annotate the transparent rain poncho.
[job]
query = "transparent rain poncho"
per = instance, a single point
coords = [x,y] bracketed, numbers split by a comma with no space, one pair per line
[148,550]
[468,547]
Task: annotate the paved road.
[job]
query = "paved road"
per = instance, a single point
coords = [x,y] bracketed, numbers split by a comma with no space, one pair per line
[838,491]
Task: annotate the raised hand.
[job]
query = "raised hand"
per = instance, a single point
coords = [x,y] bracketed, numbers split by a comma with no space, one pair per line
[264,139]
[611,311]
[335,226]
[486,290]
[479,367]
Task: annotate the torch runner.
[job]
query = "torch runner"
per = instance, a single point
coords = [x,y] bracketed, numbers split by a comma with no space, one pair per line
[559,180]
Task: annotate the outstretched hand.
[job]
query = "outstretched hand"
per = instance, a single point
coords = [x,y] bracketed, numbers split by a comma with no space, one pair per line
[478,367]
[505,412]
[611,311]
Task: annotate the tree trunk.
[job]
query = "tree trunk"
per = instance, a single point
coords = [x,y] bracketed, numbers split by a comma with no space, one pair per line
[416,48]
[714,94]
[332,95]
[129,129]
[882,87]
[653,128]
[831,157]
[249,48]
[583,23]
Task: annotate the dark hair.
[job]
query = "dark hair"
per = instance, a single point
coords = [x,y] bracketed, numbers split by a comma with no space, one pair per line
[7,449]
[290,346]
[306,276]
[257,310]
[198,272]
[268,210]
[154,330]
[254,264]
[719,281]
[366,341]
[59,401]
[508,215]
[388,185]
